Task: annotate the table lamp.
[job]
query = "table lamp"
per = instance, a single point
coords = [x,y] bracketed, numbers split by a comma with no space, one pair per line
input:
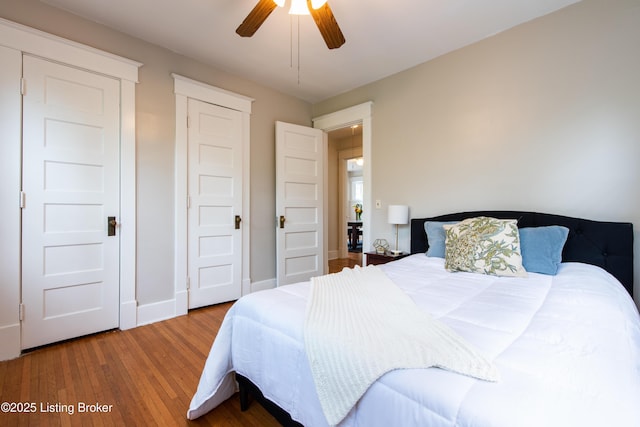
[398,215]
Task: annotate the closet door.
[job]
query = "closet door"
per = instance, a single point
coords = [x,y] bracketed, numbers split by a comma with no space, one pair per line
[215,204]
[70,242]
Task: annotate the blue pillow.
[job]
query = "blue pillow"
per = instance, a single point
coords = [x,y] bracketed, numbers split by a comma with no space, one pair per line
[436,237]
[541,248]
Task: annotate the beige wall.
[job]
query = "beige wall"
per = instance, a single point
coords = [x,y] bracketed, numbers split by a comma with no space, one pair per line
[543,117]
[155,115]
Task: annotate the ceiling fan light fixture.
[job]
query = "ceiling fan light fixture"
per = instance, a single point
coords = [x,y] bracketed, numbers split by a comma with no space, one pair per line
[322,16]
[299,7]
[317,4]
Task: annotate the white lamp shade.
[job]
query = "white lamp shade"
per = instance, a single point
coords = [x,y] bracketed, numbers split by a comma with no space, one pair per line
[398,214]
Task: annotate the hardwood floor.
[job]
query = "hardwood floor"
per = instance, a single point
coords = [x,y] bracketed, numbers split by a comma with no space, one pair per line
[336,265]
[143,376]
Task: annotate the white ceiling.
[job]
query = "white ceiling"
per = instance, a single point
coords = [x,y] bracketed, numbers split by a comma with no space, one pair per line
[383,36]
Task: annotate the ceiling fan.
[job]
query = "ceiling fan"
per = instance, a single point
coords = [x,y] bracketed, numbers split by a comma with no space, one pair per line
[319,10]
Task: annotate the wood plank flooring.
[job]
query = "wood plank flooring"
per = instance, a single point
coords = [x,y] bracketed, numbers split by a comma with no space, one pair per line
[143,376]
[336,265]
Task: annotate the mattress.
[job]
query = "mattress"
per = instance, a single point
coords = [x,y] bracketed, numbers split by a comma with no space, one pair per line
[567,348]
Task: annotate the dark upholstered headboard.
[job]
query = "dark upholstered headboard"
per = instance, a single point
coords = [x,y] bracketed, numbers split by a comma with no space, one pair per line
[606,244]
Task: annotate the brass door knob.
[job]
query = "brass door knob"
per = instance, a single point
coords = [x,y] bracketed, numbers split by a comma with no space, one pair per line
[111,225]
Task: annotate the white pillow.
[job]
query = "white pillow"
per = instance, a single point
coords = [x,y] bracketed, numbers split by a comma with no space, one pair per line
[484,245]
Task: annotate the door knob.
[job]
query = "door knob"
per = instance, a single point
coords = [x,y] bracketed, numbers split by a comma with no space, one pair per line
[111,225]
[238,220]
[282,219]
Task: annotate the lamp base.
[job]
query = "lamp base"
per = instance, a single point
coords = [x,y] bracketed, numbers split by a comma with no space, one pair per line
[395,252]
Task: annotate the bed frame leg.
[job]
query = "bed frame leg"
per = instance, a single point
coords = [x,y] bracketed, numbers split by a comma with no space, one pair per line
[244,395]
[248,390]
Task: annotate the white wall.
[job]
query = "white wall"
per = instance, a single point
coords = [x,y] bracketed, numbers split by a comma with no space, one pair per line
[542,117]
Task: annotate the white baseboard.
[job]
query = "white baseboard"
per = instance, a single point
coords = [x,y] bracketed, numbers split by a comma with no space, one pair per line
[128,315]
[182,302]
[157,311]
[163,310]
[246,286]
[263,285]
[10,339]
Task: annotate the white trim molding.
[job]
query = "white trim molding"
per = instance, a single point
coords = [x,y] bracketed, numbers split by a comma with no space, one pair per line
[185,88]
[343,118]
[45,45]
[128,203]
[155,312]
[263,285]
[10,212]
[214,95]
[358,114]
[23,39]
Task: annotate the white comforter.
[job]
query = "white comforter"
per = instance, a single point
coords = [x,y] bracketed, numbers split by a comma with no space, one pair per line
[360,325]
[567,348]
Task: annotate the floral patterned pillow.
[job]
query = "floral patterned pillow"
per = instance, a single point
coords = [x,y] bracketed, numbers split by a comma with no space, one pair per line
[484,245]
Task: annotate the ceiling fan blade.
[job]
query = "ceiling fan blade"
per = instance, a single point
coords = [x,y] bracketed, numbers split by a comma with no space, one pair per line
[327,25]
[255,18]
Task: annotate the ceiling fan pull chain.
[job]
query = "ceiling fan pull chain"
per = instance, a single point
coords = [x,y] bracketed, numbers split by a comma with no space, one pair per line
[291,21]
[298,51]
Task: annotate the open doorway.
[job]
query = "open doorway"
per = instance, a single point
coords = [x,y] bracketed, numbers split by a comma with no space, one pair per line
[358,114]
[346,204]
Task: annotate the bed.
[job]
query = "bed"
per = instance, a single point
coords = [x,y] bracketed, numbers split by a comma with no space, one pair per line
[566,345]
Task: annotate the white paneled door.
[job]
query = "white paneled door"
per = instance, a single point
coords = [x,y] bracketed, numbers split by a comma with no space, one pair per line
[215,204]
[70,251]
[299,202]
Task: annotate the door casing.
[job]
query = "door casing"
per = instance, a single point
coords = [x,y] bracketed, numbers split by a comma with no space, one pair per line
[22,39]
[71,162]
[215,204]
[185,88]
[357,114]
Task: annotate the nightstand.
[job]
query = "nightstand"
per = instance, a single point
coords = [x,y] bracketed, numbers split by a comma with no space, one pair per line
[374,258]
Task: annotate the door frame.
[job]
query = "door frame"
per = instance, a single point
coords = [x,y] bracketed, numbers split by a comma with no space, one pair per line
[185,88]
[24,39]
[357,114]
